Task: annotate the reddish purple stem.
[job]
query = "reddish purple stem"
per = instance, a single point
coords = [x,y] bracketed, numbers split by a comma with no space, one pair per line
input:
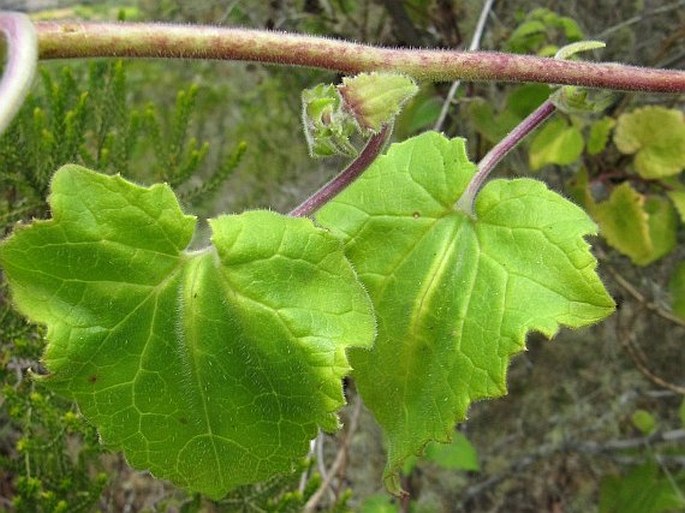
[58,40]
[346,176]
[499,151]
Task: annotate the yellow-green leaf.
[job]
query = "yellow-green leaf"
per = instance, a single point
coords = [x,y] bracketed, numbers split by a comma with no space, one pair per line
[642,228]
[678,199]
[644,421]
[557,142]
[599,135]
[656,135]
[676,287]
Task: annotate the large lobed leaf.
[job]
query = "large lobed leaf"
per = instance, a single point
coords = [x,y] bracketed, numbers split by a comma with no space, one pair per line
[211,368]
[455,296]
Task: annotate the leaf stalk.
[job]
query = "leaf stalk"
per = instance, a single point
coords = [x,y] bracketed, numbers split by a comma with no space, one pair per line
[499,151]
[348,175]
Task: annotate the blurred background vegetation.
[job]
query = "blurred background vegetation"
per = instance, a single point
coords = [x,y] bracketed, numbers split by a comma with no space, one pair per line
[594,420]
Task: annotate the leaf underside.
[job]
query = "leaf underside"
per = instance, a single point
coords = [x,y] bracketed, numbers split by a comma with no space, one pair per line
[455,297]
[210,368]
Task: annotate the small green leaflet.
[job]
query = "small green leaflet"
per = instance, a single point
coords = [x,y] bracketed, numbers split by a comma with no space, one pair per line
[210,368]
[455,297]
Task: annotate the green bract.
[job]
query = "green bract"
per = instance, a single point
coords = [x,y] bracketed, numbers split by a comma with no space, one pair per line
[375,99]
[210,368]
[454,296]
[364,103]
[327,126]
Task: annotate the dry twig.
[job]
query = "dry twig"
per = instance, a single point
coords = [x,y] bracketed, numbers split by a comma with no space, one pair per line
[340,458]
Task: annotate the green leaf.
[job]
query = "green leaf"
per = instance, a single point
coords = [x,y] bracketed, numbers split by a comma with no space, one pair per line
[455,296]
[676,195]
[578,188]
[676,287]
[580,100]
[644,421]
[656,136]
[681,412]
[458,455]
[524,99]
[490,125]
[420,113]
[570,50]
[211,368]
[520,102]
[599,135]
[643,490]
[558,142]
[642,228]
[528,36]
[379,503]
[663,225]
[541,27]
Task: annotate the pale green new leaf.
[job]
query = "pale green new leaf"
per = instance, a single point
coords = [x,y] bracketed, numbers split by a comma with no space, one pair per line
[375,99]
[455,296]
[210,368]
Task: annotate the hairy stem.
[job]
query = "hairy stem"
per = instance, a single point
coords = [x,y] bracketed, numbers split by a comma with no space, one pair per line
[346,176]
[22,56]
[77,40]
[499,151]
[475,43]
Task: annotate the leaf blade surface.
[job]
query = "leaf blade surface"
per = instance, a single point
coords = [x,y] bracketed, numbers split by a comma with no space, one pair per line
[210,368]
[459,295]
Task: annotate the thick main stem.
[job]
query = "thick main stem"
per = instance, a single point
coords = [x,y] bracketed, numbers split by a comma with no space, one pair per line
[77,40]
[346,176]
[499,151]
